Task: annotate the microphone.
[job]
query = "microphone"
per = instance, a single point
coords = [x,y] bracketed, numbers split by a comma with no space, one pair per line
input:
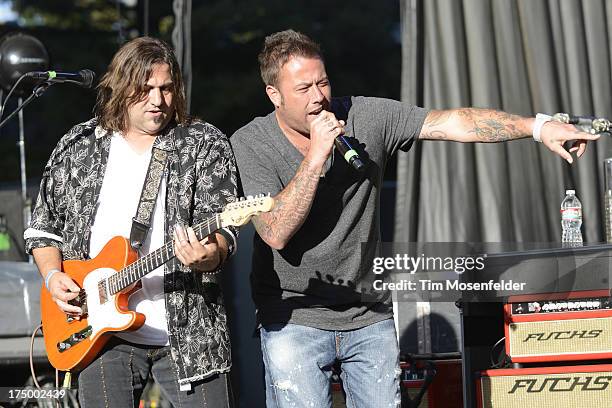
[589,124]
[350,155]
[82,78]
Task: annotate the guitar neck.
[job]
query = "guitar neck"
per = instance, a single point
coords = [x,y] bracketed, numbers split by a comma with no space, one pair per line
[148,263]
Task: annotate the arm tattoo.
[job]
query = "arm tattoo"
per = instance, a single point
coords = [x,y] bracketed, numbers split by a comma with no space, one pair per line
[291,207]
[432,123]
[491,126]
[485,124]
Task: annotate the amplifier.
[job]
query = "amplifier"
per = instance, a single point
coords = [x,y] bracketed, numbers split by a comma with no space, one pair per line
[546,387]
[559,326]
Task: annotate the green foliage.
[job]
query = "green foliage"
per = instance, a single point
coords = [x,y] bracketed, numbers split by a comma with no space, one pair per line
[360,39]
[71,15]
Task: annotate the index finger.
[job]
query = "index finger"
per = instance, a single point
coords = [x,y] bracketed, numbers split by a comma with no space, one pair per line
[66,296]
[579,135]
[68,307]
[193,239]
[67,282]
[322,115]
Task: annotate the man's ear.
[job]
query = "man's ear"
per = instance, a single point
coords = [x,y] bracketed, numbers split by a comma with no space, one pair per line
[274,95]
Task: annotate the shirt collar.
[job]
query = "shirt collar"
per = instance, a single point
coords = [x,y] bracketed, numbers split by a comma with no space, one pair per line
[163,141]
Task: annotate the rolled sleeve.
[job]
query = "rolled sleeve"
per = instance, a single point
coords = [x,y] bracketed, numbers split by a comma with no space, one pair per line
[48,217]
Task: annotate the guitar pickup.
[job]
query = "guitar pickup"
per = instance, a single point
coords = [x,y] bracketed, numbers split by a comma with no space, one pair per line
[74,338]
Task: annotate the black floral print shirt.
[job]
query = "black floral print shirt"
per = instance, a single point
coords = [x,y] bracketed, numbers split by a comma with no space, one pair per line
[201,179]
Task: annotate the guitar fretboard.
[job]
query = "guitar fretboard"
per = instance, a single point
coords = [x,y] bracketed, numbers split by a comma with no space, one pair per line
[135,271]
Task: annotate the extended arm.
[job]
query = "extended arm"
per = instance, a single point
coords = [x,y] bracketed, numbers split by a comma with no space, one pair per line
[486,125]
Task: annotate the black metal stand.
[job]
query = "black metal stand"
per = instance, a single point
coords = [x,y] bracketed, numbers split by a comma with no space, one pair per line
[26,202]
[38,91]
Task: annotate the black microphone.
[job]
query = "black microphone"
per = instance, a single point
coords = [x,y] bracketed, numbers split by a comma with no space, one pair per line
[587,123]
[350,155]
[82,78]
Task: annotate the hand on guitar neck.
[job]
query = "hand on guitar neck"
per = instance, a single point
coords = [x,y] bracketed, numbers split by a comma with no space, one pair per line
[204,255]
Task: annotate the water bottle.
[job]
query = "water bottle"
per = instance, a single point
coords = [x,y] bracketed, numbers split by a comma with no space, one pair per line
[571,220]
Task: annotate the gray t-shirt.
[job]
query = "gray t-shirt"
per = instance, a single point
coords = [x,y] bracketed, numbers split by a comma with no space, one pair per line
[315,280]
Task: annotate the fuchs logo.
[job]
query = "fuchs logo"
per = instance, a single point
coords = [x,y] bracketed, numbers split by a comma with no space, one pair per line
[562,384]
[563,335]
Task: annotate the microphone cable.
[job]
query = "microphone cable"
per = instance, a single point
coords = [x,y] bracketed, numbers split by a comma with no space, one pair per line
[10,93]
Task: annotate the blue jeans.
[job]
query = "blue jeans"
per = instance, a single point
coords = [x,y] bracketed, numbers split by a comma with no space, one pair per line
[117,377]
[299,360]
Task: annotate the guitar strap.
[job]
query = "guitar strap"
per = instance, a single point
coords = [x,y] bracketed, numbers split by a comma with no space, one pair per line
[141,223]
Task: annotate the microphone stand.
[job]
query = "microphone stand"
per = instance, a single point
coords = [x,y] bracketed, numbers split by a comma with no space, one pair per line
[38,91]
[26,202]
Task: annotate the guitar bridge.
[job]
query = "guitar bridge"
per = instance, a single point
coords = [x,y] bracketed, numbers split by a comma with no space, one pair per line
[80,301]
[74,338]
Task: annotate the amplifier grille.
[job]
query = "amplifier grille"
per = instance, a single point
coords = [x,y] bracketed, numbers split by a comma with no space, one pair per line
[569,390]
[559,337]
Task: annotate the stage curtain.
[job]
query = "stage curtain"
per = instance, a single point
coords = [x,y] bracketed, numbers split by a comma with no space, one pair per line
[181,41]
[523,57]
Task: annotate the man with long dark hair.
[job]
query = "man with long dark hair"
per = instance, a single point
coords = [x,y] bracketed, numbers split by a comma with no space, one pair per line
[318,243]
[91,190]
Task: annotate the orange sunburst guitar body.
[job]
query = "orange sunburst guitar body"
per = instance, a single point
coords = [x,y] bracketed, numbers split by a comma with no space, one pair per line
[100,320]
[106,283]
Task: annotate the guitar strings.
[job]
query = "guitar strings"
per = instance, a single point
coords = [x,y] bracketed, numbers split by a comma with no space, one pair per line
[124,273]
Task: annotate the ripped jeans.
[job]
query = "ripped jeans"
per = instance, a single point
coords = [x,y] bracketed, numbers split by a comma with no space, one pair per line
[298,363]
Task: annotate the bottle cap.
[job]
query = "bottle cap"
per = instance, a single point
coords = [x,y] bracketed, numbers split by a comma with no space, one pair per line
[568,192]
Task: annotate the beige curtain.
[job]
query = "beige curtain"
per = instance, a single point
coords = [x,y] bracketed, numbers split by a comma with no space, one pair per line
[521,56]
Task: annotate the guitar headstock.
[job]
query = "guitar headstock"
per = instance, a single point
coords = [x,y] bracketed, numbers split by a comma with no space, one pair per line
[240,212]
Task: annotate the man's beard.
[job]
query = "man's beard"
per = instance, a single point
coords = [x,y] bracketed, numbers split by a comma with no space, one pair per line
[160,119]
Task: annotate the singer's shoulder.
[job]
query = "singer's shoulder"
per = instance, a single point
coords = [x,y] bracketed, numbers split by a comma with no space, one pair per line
[347,102]
[342,106]
[258,129]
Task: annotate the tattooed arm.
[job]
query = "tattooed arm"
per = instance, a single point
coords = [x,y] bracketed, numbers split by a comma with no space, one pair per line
[486,125]
[291,207]
[293,203]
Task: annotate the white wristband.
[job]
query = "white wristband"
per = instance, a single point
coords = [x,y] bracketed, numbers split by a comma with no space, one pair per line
[49,275]
[540,120]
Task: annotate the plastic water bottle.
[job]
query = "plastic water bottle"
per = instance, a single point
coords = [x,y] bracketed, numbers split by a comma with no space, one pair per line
[571,220]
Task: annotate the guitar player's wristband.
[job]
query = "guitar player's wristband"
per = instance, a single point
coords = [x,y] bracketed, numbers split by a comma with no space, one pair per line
[49,275]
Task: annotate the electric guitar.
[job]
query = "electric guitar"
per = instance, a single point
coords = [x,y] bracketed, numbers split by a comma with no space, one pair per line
[71,344]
